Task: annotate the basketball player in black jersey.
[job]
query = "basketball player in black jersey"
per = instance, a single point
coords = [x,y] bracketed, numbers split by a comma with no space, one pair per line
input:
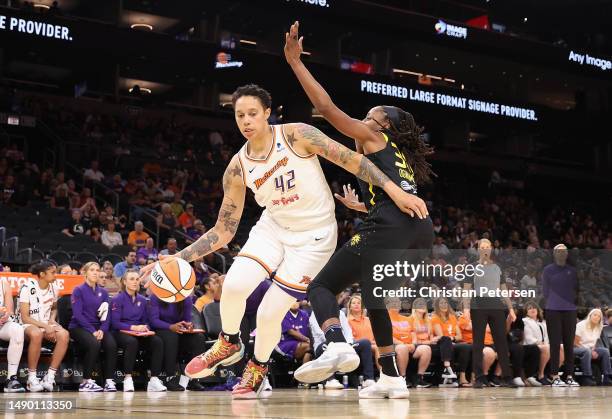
[392,141]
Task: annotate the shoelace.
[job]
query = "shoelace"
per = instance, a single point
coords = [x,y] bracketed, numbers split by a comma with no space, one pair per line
[218,349]
[251,375]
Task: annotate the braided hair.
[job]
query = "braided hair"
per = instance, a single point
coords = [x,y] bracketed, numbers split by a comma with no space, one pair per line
[409,138]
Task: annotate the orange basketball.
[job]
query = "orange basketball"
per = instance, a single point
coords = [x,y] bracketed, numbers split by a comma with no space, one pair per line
[172,280]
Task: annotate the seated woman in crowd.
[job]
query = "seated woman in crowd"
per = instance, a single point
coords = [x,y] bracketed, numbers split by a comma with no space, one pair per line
[588,332]
[404,341]
[89,327]
[446,329]
[488,353]
[129,314]
[172,323]
[536,333]
[106,279]
[422,335]
[360,324]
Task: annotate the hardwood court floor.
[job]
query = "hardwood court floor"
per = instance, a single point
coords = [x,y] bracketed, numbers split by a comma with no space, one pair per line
[548,403]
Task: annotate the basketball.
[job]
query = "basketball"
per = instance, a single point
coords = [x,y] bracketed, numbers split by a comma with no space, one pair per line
[173,280]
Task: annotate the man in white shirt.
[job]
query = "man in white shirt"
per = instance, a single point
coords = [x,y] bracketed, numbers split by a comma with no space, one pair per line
[37,313]
[93,173]
[363,347]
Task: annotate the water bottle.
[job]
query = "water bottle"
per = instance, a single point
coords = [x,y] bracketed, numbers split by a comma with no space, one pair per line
[360,386]
[345,381]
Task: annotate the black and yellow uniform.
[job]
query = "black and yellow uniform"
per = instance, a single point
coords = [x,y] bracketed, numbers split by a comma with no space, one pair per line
[385,228]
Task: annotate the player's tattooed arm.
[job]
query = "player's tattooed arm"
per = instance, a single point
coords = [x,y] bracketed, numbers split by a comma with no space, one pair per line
[312,141]
[234,191]
[306,139]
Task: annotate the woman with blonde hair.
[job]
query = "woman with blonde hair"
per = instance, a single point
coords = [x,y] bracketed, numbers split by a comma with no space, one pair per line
[421,338]
[360,323]
[403,341]
[131,326]
[446,330]
[588,331]
[89,327]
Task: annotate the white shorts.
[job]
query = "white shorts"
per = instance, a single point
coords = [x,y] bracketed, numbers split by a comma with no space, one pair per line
[295,256]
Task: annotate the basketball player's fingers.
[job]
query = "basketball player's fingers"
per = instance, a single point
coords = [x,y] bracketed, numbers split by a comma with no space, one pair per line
[340,198]
[417,211]
[301,40]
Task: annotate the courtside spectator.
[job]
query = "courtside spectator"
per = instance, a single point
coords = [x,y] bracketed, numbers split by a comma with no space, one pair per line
[588,331]
[209,287]
[11,332]
[363,348]
[187,218]
[129,313]
[446,331]
[404,342]
[138,237]
[129,263]
[75,226]
[420,326]
[536,333]
[93,173]
[360,324]
[147,252]
[64,269]
[172,323]
[171,248]
[488,353]
[295,338]
[37,313]
[111,238]
[89,327]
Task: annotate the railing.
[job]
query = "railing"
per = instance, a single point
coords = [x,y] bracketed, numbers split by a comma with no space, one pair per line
[10,247]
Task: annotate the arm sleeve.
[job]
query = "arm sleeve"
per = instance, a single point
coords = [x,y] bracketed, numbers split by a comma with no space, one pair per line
[116,311]
[77,311]
[154,320]
[187,310]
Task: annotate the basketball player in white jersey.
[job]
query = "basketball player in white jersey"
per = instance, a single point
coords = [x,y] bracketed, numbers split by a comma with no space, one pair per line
[295,236]
[11,332]
[37,313]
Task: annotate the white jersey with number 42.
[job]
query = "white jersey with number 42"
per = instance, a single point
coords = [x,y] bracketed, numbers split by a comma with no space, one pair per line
[291,187]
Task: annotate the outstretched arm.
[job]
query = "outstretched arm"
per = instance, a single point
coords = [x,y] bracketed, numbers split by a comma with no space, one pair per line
[350,127]
[234,191]
[307,139]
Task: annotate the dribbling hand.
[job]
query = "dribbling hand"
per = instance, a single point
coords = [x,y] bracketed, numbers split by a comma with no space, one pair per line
[145,271]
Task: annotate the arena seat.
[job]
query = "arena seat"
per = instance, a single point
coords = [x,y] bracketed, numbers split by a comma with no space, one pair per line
[84,257]
[60,257]
[122,250]
[111,257]
[212,317]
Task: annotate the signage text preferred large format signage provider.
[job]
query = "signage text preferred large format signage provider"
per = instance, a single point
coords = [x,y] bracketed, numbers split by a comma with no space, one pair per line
[448,101]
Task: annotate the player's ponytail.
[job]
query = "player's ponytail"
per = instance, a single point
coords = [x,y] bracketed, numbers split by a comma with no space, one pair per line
[409,137]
